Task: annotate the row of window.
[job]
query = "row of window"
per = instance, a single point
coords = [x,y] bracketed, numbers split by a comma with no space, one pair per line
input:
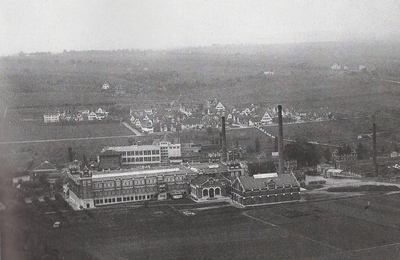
[141,159]
[123,199]
[146,152]
[128,183]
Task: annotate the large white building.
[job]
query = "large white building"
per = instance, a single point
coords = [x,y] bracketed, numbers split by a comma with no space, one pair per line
[159,152]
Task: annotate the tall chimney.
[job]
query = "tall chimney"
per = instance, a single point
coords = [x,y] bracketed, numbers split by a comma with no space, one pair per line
[374,155]
[224,148]
[280,140]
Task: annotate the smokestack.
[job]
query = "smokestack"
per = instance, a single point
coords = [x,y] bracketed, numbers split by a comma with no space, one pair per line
[280,140]
[224,148]
[374,159]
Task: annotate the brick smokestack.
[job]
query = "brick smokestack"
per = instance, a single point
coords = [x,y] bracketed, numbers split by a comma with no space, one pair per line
[224,147]
[280,140]
[374,156]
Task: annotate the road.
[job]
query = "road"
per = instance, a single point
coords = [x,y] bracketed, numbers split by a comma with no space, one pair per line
[391,81]
[68,139]
[137,133]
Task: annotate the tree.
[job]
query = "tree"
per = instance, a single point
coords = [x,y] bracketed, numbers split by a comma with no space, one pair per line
[70,154]
[276,144]
[257,145]
[361,152]
[131,140]
[84,160]
[328,154]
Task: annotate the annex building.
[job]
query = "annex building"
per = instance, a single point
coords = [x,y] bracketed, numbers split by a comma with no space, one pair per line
[262,189]
[89,189]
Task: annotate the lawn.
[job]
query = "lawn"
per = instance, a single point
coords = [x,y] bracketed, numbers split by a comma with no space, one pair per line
[335,229]
[30,131]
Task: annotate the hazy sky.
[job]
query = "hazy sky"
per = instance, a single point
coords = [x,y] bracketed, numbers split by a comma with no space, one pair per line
[57,25]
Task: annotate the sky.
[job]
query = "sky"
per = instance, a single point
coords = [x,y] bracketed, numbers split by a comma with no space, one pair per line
[57,25]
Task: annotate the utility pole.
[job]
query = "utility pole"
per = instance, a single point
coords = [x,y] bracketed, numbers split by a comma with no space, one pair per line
[280,140]
[374,156]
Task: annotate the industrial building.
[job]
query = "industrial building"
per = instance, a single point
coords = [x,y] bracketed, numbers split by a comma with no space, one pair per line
[89,189]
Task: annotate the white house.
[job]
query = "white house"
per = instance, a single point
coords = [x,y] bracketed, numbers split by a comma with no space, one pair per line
[266,119]
[101,111]
[105,86]
[92,116]
[362,67]
[219,107]
[51,118]
[269,73]
[336,66]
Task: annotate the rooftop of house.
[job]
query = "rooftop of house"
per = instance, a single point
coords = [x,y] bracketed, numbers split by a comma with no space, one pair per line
[131,148]
[202,179]
[138,172]
[45,166]
[249,182]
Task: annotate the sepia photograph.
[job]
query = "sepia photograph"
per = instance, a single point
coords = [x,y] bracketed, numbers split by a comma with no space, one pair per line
[199,129]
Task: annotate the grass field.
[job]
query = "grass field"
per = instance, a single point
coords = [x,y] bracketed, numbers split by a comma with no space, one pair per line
[333,229]
[30,131]
[57,140]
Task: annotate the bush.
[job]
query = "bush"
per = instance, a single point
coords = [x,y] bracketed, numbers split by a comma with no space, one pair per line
[364,188]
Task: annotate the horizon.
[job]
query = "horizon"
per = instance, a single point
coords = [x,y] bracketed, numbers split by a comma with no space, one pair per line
[55,26]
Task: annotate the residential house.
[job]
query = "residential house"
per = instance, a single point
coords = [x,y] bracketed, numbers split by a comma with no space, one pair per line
[19,179]
[105,86]
[219,107]
[51,118]
[266,119]
[336,66]
[46,169]
[92,116]
[120,90]
[269,72]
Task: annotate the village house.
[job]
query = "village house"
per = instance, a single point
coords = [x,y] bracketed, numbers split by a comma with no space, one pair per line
[105,86]
[51,118]
[120,90]
[269,72]
[47,170]
[266,119]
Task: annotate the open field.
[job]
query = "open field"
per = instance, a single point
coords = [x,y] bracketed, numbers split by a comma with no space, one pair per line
[340,131]
[31,131]
[332,229]
[26,142]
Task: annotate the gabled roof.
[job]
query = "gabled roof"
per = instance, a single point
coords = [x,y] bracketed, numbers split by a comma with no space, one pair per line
[45,167]
[249,182]
[110,153]
[203,179]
